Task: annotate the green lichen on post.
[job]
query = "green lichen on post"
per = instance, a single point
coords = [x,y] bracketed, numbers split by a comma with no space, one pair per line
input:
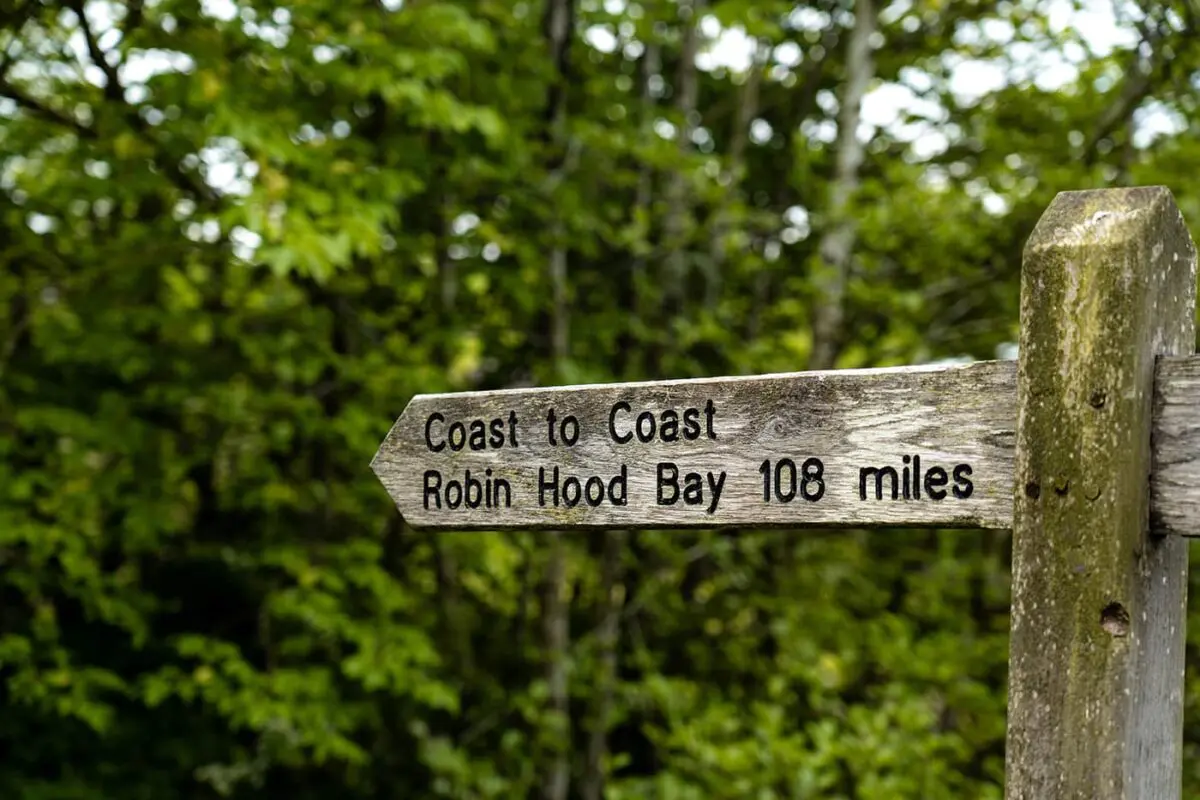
[1096,660]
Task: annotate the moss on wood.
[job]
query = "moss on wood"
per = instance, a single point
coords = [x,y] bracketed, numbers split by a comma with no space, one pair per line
[1096,658]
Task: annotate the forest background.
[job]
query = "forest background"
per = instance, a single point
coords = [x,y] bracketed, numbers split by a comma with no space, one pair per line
[237,237]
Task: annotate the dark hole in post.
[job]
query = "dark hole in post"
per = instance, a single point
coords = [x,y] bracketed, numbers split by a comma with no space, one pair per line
[1114,619]
[1098,398]
[1033,491]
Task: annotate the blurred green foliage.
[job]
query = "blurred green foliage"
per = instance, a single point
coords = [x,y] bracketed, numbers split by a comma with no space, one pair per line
[236,237]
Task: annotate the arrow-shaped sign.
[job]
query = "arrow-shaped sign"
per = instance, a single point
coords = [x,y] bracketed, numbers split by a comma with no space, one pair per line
[913,446]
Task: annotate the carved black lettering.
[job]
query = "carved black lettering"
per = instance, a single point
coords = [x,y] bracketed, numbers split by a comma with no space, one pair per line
[716,485]
[572,491]
[472,491]
[569,430]
[619,438]
[457,436]
[497,485]
[645,433]
[476,434]
[669,432]
[618,488]
[710,411]
[544,484]
[454,494]
[668,478]
[785,480]
[936,478]
[962,483]
[433,486]
[693,488]
[879,473]
[593,492]
[441,445]
[478,437]
[812,480]
[496,439]
[691,424]
[906,479]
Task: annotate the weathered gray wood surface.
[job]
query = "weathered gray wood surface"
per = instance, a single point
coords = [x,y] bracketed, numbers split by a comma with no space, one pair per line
[1096,653]
[951,417]
[1175,483]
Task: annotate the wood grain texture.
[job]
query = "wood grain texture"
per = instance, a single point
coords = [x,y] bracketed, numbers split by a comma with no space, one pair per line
[851,420]
[1096,652]
[1175,484]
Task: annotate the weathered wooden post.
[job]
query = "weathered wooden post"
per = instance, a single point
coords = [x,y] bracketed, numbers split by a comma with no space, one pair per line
[1097,648]
[1099,511]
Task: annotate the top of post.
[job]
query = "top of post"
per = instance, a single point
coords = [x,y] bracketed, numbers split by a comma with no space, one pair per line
[1106,216]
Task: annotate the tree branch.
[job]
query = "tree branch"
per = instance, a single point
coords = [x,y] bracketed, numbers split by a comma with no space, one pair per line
[112,81]
[1136,89]
[35,107]
[15,15]
[115,92]
[14,337]
[134,16]
[801,101]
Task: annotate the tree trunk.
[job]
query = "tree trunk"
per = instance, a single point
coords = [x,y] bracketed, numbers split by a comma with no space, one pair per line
[651,66]
[558,24]
[677,194]
[454,623]
[556,633]
[613,598]
[788,190]
[837,245]
[447,274]
[747,110]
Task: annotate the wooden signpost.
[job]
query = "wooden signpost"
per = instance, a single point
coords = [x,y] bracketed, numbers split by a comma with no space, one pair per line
[926,446]
[1087,448]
